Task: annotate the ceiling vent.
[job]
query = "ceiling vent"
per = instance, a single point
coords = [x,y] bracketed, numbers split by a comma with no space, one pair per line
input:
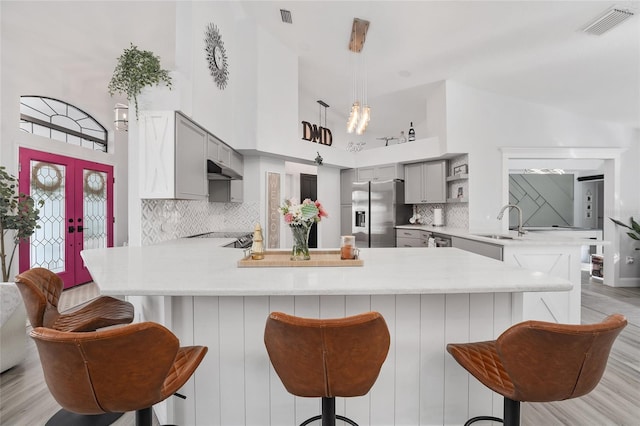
[607,21]
[286,16]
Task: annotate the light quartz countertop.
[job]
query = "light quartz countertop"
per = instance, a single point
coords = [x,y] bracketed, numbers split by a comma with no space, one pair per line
[201,267]
[531,238]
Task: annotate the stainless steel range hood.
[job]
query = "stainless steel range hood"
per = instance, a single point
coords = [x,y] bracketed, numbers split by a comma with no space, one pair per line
[217,171]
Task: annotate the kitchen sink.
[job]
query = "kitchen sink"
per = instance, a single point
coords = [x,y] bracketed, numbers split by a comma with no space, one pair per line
[495,236]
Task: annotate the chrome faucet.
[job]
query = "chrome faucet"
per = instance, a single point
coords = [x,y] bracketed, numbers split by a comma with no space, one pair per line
[521,231]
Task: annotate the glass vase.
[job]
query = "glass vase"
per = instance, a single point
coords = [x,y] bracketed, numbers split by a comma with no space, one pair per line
[300,249]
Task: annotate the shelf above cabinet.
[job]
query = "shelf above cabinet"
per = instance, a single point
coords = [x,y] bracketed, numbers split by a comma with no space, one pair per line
[457,177]
[457,200]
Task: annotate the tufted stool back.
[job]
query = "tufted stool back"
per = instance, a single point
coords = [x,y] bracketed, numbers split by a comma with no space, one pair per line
[537,361]
[114,370]
[41,290]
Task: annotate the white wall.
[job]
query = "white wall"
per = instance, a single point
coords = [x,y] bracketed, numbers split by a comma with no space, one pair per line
[481,123]
[26,70]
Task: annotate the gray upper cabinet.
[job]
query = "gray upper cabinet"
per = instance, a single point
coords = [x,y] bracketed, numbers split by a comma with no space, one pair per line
[425,182]
[191,142]
[380,173]
[226,191]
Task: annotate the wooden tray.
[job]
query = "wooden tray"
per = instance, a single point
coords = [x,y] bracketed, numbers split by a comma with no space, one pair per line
[280,258]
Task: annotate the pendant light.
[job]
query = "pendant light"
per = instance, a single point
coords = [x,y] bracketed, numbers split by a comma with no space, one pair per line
[360,113]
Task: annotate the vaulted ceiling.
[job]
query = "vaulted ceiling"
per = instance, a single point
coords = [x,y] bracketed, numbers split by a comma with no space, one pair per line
[533,50]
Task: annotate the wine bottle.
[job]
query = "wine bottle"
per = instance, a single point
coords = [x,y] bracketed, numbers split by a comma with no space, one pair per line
[412,133]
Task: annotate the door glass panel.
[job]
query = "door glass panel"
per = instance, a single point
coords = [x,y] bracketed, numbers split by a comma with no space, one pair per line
[47,243]
[95,209]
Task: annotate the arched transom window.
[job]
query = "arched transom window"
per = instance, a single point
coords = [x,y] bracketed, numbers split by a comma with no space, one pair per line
[61,121]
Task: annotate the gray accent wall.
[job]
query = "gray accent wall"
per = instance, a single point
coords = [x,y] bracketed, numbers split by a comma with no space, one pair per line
[545,199]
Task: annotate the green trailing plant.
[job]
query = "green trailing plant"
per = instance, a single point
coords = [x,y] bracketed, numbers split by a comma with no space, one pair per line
[18,218]
[634,228]
[137,69]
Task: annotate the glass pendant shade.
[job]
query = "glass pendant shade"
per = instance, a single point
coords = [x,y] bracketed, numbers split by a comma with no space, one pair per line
[364,120]
[353,117]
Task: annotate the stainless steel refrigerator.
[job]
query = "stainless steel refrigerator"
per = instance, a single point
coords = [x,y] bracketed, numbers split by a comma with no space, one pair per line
[377,207]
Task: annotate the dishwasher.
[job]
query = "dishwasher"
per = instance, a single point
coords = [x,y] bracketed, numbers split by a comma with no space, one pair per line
[442,241]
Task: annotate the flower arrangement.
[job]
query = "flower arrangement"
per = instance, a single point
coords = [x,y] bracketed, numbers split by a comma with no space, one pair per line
[300,217]
[306,213]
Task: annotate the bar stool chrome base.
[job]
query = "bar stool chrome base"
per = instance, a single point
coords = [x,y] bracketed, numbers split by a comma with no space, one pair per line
[328,415]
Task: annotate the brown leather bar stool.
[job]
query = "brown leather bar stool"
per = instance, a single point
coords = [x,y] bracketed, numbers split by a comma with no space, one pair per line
[326,358]
[115,370]
[537,361]
[41,290]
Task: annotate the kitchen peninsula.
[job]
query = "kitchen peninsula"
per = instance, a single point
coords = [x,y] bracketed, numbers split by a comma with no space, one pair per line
[429,297]
[556,254]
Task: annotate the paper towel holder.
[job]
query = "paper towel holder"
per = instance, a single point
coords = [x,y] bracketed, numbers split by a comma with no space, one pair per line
[438,219]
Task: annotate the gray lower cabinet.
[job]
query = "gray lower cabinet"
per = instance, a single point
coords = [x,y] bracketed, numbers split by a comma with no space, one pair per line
[493,251]
[412,238]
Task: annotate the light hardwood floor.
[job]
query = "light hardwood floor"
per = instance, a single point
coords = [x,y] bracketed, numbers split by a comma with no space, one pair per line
[25,399]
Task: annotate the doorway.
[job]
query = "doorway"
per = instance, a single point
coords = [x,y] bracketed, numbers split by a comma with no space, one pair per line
[77,213]
[309,189]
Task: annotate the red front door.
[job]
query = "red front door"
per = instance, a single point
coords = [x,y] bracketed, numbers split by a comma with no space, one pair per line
[77,212]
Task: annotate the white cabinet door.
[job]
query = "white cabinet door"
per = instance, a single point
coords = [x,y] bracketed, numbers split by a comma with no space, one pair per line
[190,163]
[157,154]
[173,156]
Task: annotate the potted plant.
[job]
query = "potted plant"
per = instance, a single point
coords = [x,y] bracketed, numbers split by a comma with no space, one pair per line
[135,70]
[634,228]
[18,218]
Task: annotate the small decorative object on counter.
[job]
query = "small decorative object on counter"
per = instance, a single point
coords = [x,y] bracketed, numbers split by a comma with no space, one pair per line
[347,247]
[416,219]
[403,138]
[300,217]
[257,248]
[412,133]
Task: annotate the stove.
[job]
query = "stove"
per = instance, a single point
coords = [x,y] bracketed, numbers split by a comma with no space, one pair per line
[242,239]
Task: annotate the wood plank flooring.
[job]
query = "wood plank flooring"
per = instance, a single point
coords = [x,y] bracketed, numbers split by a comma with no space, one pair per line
[26,401]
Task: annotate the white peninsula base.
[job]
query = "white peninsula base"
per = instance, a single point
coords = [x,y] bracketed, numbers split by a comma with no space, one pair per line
[429,297]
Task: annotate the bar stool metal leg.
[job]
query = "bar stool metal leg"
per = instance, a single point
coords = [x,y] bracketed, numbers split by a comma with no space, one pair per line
[511,412]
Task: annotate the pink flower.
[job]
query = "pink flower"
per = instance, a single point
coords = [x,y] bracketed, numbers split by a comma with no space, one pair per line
[288,217]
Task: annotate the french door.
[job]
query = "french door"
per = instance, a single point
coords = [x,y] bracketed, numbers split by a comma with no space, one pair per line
[77,213]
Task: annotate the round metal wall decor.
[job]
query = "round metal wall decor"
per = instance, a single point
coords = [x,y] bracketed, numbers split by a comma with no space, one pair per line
[216,56]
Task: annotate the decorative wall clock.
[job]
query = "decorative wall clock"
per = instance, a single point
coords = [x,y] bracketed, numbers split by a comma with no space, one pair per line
[216,56]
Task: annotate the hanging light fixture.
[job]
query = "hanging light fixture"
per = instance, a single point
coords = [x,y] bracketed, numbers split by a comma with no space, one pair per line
[360,112]
[121,117]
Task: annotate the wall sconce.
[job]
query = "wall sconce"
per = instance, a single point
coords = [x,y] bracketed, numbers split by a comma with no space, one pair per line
[121,117]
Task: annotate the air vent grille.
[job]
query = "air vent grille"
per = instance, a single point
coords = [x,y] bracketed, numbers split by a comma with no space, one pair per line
[607,21]
[286,16]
